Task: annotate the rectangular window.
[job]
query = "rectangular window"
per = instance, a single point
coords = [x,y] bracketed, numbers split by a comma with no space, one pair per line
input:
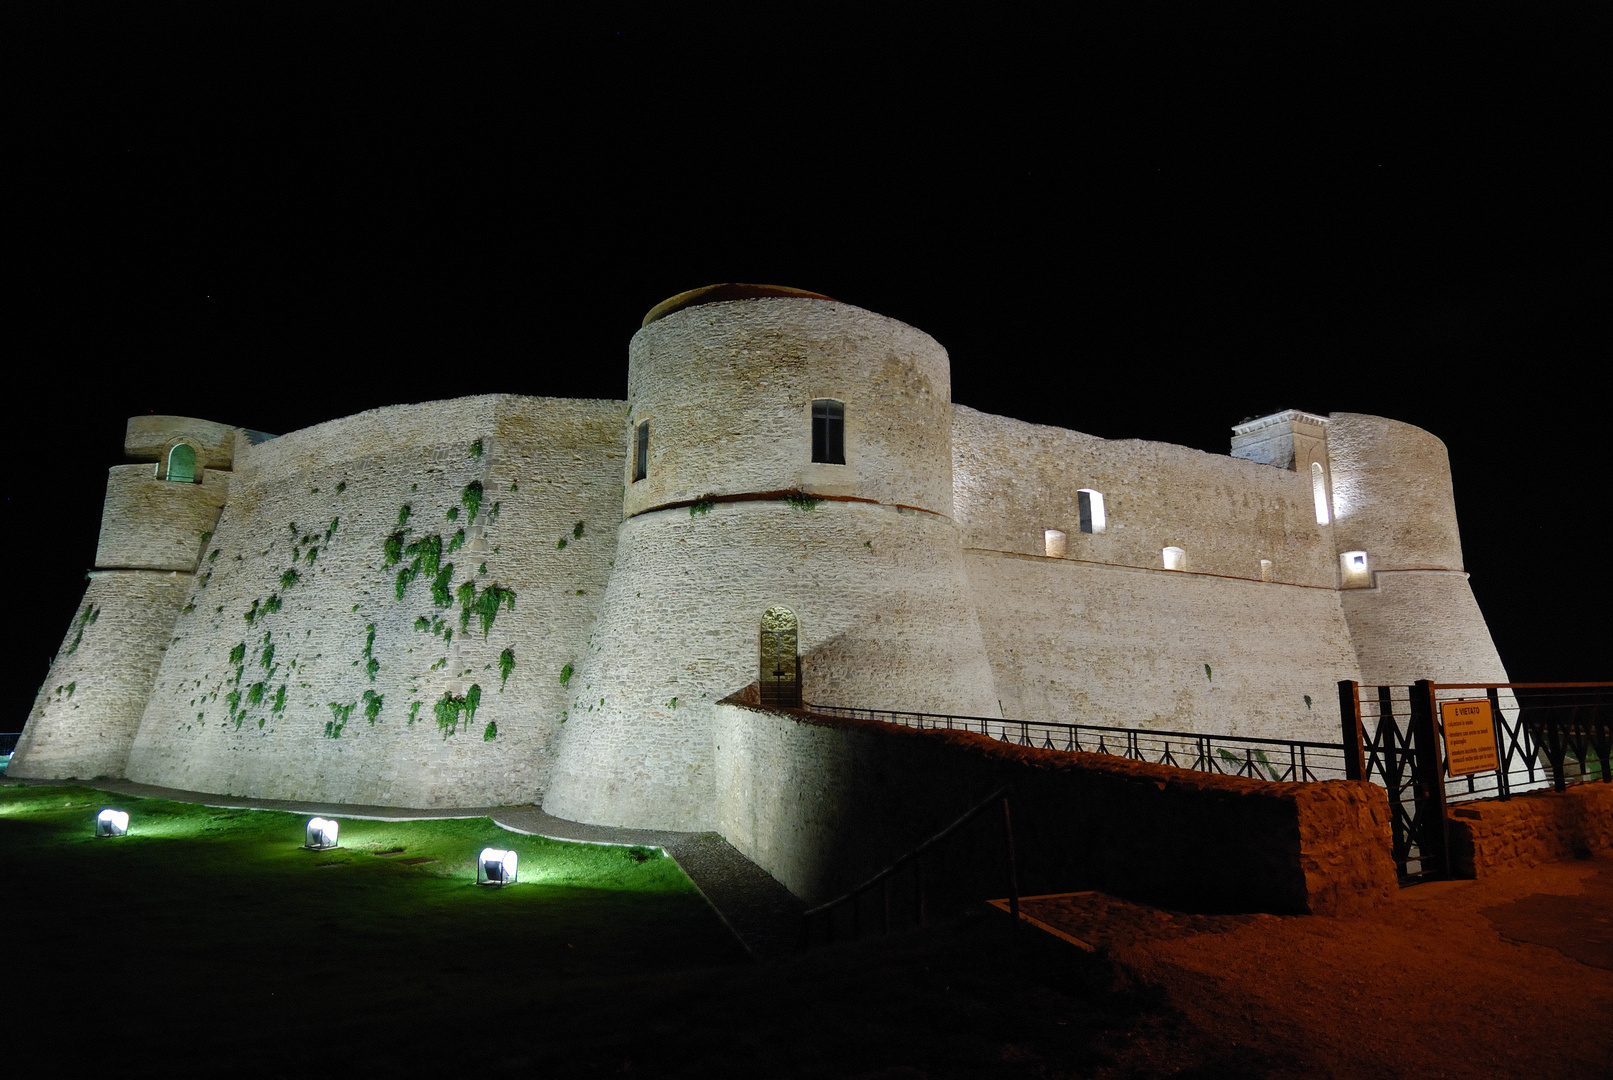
[1093,519]
[829,431]
[641,452]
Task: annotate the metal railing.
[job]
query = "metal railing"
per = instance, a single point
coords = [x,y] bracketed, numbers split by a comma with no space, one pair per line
[1547,735]
[885,878]
[8,742]
[1229,755]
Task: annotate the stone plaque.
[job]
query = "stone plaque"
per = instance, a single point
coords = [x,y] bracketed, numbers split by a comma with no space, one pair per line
[1469,736]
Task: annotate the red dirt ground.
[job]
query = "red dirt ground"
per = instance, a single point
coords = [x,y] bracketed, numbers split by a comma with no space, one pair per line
[1507,976]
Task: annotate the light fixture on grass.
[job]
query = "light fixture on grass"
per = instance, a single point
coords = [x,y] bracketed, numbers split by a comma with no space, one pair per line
[111,823]
[495,867]
[321,834]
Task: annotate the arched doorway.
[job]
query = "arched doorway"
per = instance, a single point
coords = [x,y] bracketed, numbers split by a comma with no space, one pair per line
[781,661]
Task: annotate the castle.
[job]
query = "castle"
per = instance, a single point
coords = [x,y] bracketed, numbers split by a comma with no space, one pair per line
[504,599]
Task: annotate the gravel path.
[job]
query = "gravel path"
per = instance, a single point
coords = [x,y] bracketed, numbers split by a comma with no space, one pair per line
[762,914]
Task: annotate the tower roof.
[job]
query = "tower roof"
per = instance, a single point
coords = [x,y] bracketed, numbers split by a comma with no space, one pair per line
[716,294]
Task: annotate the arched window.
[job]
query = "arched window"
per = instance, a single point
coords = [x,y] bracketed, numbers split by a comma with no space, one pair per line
[1093,519]
[780,659]
[641,452]
[1319,493]
[829,431]
[1265,569]
[182,464]
[1175,558]
[1053,543]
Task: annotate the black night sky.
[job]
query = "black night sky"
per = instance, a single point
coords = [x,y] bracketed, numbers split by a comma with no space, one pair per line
[1136,220]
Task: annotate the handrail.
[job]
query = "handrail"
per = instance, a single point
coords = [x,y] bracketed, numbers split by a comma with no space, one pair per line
[1192,750]
[1006,722]
[851,896]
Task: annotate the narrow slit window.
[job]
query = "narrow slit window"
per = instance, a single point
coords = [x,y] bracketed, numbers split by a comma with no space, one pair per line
[1319,493]
[1093,519]
[1175,558]
[641,452]
[1265,569]
[182,464]
[829,431]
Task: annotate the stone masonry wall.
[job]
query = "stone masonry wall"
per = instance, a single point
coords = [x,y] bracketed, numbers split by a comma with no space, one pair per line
[822,804]
[1086,643]
[1421,624]
[1013,480]
[151,524]
[86,714]
[886,621]
[320,504]
[727,390]
[1489,836]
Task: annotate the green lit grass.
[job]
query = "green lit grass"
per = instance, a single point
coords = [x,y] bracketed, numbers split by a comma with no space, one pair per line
[207,943]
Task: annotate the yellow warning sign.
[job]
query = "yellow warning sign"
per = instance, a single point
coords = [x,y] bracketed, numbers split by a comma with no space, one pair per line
[1469,736]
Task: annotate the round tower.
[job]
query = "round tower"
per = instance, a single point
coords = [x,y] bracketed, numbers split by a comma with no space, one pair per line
[1405,594]
[783,451]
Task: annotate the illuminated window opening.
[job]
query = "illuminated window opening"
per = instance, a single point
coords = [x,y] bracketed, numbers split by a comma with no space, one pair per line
[181,464]
[1265,569]
[1093,519]
[1356,569]
[1053,541]
[641,452]
[1319,493]
[1175,558]
[829,431]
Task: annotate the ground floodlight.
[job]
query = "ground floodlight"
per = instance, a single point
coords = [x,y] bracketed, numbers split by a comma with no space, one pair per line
[111,823]
[321,834]
[495,867]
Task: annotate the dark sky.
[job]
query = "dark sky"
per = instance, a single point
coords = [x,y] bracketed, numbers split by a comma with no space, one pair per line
[1145,220]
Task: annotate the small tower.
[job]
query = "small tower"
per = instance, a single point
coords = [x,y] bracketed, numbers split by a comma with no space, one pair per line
[157,515]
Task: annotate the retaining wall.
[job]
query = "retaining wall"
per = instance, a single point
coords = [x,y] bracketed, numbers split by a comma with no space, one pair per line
[823,803]
[1489,836]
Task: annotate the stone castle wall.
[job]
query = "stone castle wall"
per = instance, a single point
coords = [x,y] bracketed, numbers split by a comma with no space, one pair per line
[86,715]
[1014,480]
[290,665]
[321,503]
[1124,647]
[152,524]
[886,621]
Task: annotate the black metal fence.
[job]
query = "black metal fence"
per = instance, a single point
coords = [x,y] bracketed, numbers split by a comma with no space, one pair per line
[1230,755]
[8,742]
[1546,735]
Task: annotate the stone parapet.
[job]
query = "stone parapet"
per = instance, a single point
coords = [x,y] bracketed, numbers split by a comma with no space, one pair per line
[823,803]
[1490,836]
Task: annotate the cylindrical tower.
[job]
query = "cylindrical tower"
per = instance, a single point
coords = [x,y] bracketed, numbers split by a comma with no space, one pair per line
[783,451]
[1406,596]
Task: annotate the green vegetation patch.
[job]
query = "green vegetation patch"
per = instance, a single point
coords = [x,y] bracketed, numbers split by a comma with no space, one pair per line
[471,497]
[800,500]
[506,664]
[450,707]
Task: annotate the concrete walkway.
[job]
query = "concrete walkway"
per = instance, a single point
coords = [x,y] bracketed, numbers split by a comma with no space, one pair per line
[762,914]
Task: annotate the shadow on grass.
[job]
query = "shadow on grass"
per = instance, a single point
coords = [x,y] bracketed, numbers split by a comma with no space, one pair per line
[208,943]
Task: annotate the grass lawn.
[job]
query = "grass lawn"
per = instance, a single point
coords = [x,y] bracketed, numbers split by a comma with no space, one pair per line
[207,943]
